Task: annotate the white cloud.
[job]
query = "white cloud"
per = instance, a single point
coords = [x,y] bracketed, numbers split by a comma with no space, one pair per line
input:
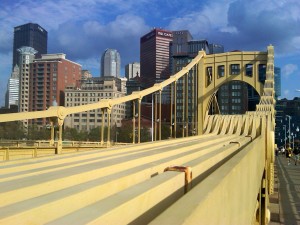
[92,64]
[286,94]
[289,69]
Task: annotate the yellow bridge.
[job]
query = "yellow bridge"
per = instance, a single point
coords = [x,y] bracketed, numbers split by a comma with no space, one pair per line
[222,175]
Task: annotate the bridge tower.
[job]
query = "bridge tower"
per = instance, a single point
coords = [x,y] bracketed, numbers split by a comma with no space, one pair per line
[217,69]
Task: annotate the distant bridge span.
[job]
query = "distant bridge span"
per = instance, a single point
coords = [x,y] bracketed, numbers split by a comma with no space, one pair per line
[223,175]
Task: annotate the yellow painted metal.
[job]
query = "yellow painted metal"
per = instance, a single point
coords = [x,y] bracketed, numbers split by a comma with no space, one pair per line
[139,121]
[232,161]
[159,114]
[102,127]
[175,108]
[133,121]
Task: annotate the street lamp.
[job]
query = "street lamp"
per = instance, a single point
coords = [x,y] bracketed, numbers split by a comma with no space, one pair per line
[289,117]
[293,140]
[284,127]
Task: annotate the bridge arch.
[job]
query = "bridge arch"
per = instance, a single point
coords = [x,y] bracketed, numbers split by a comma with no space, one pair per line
[215,105]
[218,69]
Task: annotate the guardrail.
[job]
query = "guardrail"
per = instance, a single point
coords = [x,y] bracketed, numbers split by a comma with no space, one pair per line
[13,150]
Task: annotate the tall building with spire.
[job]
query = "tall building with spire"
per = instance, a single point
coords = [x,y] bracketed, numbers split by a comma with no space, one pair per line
[110,63]
[31,35]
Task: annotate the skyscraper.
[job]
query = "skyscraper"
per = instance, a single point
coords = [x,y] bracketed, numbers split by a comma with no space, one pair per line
[12,94]
[154,56]
[182,50]
[215,48]
[110,63]
[27,54]
[277,80]
[31,35]
[50,75]
[132,70]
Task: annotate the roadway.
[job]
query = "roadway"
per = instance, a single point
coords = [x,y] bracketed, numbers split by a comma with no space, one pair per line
[285,202]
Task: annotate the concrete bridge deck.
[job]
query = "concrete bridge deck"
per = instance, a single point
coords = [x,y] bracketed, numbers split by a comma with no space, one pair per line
[125,185]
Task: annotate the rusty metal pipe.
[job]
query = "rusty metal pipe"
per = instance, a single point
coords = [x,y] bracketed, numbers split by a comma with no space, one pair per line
[188,175]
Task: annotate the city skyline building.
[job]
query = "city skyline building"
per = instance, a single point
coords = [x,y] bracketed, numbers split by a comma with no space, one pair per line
[277,80]
[154,56]
[31,35]
[132,70]
[215,48]
[50,75]
[110,63]
[90,91]
[182,50]
[26,56]
[233,98]
[133,84]
[12,93]
[288,116]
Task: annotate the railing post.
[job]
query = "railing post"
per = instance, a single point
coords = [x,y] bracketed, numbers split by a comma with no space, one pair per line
[51,133]
[175,108]
[195,99]
[35,153]
[155,116]
[186,104]
[7,154]
[139,120]
[171,111]
[102,127]
[183,105]
[133,122]
[59,141]
[108,126]
[159,114]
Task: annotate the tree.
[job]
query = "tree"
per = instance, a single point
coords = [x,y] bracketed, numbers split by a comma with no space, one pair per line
[125,133]
[37,133]
[12,130]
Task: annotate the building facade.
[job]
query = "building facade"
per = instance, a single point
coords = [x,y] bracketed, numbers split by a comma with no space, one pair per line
[154,56]
[287,130]
[277,80]
[215,48]
[132,70]
[110,63]
[91,91]
[50,75]
[182,50]
[12,94]
[233,98]
[31,35]
[26,56]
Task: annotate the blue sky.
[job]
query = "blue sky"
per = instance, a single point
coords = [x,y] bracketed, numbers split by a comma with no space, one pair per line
[83,29]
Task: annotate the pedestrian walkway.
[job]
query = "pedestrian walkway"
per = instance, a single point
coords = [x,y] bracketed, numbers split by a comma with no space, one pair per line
[285,202]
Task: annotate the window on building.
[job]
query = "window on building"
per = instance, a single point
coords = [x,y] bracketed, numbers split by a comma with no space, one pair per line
[235,69]
[209,75]
[221,71]
[249,70]
[262,72]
